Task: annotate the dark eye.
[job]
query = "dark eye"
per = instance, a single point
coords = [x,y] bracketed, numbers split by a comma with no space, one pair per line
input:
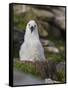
[34,25]
[29,24]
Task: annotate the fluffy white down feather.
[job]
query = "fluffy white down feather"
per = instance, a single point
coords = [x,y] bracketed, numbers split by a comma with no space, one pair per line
[31,49]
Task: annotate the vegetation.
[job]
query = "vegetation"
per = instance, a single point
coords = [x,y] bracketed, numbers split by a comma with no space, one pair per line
[61,76]
[30,67]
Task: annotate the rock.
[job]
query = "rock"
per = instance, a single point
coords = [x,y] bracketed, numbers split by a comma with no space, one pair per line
[44,24]
[52,49]
[56,32]
[42,32]
[43,13]
[60,17]
[43,7]
[18,9]
[61,71]
[60,67]
[21,78]
[61,22]
[51,69]
[47,42]
[62,48]
[50,81]
[58,12]
[49,46]
[18,39]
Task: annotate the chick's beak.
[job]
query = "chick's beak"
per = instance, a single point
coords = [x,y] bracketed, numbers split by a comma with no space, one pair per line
[32,28]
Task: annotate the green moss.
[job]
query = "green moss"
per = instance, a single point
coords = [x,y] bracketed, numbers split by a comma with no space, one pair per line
[61,76]
[19,22]
[27,67]
[56,57]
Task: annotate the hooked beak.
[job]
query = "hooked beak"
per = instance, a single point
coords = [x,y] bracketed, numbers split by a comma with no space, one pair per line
[32,28]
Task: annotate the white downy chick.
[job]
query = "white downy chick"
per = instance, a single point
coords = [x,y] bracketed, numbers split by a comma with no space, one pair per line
[31,49]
